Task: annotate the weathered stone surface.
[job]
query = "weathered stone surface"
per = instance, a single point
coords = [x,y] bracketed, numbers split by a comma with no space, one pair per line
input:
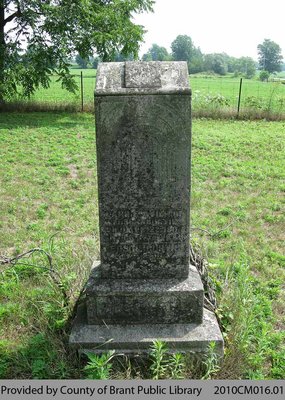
[141,78]
[140,301]
[138,75]
[139,338]
[143,153]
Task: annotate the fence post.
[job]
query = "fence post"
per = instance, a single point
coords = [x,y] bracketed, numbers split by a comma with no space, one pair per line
[239,97]
[81,76]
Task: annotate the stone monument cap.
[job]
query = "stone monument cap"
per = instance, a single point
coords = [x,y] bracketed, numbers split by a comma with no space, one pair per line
[141,77]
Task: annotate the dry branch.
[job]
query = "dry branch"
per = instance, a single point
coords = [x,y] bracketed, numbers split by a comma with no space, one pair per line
[12,261]
[212,235]
[200,263]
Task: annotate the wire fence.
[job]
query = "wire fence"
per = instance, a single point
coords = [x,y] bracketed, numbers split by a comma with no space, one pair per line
[210,95]
[56,94]
[238,95]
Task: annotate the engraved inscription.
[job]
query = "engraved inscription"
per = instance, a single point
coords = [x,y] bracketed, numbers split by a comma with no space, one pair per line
[154,233]
[144,173]
[147,77]
[124,226]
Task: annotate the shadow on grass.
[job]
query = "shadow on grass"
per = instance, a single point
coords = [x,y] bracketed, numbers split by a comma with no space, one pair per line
[14,120]
[44,356]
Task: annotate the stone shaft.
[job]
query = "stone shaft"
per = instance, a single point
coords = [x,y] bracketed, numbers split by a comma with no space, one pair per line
[143,161]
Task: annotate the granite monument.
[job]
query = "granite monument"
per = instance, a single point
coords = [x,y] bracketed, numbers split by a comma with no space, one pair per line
[143,288]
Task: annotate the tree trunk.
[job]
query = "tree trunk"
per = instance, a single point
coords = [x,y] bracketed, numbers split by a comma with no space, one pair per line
[2,50]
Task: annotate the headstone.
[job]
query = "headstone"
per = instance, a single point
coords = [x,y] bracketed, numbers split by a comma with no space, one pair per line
[143,288]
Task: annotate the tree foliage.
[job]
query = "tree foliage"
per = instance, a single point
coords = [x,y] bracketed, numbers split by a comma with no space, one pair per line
[217,63]
[269,56]
[157,53]
[264,76]
[183,49]
[37,37]
[245,66]
[120,57]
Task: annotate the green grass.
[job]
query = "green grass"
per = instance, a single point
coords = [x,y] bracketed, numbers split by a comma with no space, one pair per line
[48,186]
[55,94]
[223,92]
[229,86]
[238,191]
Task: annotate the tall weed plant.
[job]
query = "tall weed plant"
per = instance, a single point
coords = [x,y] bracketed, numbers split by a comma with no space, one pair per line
[165,365]
[253,347]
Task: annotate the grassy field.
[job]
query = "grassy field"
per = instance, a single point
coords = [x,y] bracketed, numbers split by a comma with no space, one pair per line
[48,192]
[210,93]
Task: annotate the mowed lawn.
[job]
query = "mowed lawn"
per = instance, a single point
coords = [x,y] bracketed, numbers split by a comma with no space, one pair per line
[48,192]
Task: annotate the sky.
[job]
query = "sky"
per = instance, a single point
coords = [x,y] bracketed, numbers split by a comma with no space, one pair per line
[234,27]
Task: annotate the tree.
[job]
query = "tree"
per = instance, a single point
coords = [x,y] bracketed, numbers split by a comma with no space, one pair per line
[37,37]
[147,57]
[81,62]
[216,62]
[183,49]
[156,53]
[119,57]
[264,76]
[231,63]
[196,61]
[269,56]
[244,66]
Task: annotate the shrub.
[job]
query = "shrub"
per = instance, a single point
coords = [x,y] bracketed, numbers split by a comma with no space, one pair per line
[264,76]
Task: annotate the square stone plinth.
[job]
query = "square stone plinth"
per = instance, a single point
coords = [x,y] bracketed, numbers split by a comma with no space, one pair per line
[137,339]
[144,301]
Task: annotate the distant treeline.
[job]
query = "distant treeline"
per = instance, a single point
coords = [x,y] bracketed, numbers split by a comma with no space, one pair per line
[183,49]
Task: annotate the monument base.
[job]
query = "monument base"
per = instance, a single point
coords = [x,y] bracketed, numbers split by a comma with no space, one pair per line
[144,301]
[137,339]
[169,310]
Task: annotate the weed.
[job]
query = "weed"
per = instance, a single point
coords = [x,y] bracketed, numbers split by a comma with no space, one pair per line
[165,365]
[99,366]
[159,365]
[211,362]
[277,258]
[177,366]
[278,363]
[247,320]
[226,211]
[254,102]
[38,358]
